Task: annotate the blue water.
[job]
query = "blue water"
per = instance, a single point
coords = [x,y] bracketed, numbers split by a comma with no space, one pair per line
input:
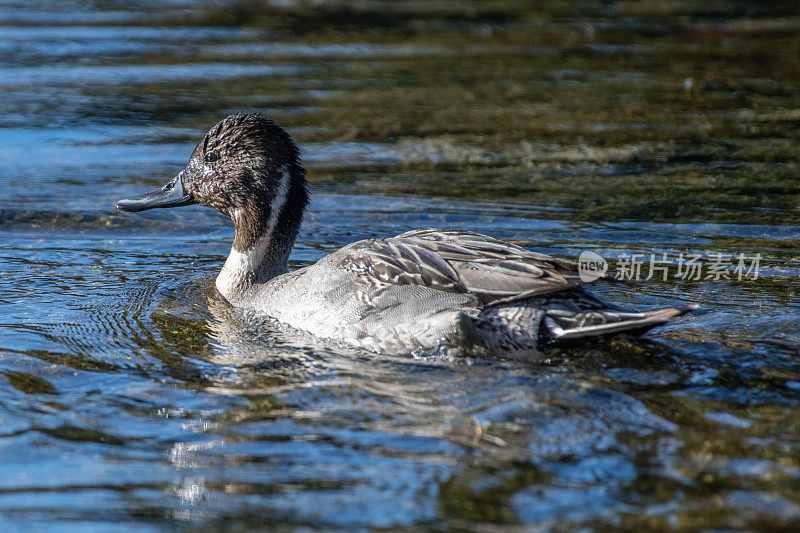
[133,397]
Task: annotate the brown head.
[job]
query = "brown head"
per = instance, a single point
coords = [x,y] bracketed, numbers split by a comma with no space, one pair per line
[248,168]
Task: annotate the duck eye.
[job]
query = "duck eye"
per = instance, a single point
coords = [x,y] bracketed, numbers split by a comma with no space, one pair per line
[211,156]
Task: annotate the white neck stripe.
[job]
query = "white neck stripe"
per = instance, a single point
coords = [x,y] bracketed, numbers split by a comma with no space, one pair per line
[240,266]
[278,202]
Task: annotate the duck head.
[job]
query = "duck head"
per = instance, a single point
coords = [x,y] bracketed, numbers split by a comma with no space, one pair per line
[248,168]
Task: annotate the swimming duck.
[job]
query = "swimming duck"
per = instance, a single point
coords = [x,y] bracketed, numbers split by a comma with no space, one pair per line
[421,290]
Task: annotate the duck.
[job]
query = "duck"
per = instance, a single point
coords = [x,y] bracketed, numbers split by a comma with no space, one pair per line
[421,291]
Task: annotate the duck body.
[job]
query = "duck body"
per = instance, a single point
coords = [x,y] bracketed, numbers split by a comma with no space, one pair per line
[439,288]
[392,295]
[418,291]
[338,298]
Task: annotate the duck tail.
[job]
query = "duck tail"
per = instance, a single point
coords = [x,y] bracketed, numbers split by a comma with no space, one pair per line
[560,327]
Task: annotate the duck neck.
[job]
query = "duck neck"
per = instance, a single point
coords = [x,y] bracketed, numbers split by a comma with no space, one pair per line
[264,237]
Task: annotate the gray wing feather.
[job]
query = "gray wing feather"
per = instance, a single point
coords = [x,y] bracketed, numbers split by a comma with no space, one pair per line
[462,262]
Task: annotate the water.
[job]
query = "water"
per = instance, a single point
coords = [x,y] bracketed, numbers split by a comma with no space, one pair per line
[132,396]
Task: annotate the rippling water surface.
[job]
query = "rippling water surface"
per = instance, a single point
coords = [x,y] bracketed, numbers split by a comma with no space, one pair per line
[132,396]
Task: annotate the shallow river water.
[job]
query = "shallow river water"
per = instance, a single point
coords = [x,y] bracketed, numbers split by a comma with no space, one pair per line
[132,396]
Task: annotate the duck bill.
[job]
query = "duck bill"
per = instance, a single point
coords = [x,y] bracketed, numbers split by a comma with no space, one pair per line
[170,195]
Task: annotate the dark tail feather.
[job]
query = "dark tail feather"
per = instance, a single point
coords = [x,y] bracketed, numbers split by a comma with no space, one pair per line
[602,323]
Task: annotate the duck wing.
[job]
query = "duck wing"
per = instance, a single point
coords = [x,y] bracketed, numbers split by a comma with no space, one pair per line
[462,262]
